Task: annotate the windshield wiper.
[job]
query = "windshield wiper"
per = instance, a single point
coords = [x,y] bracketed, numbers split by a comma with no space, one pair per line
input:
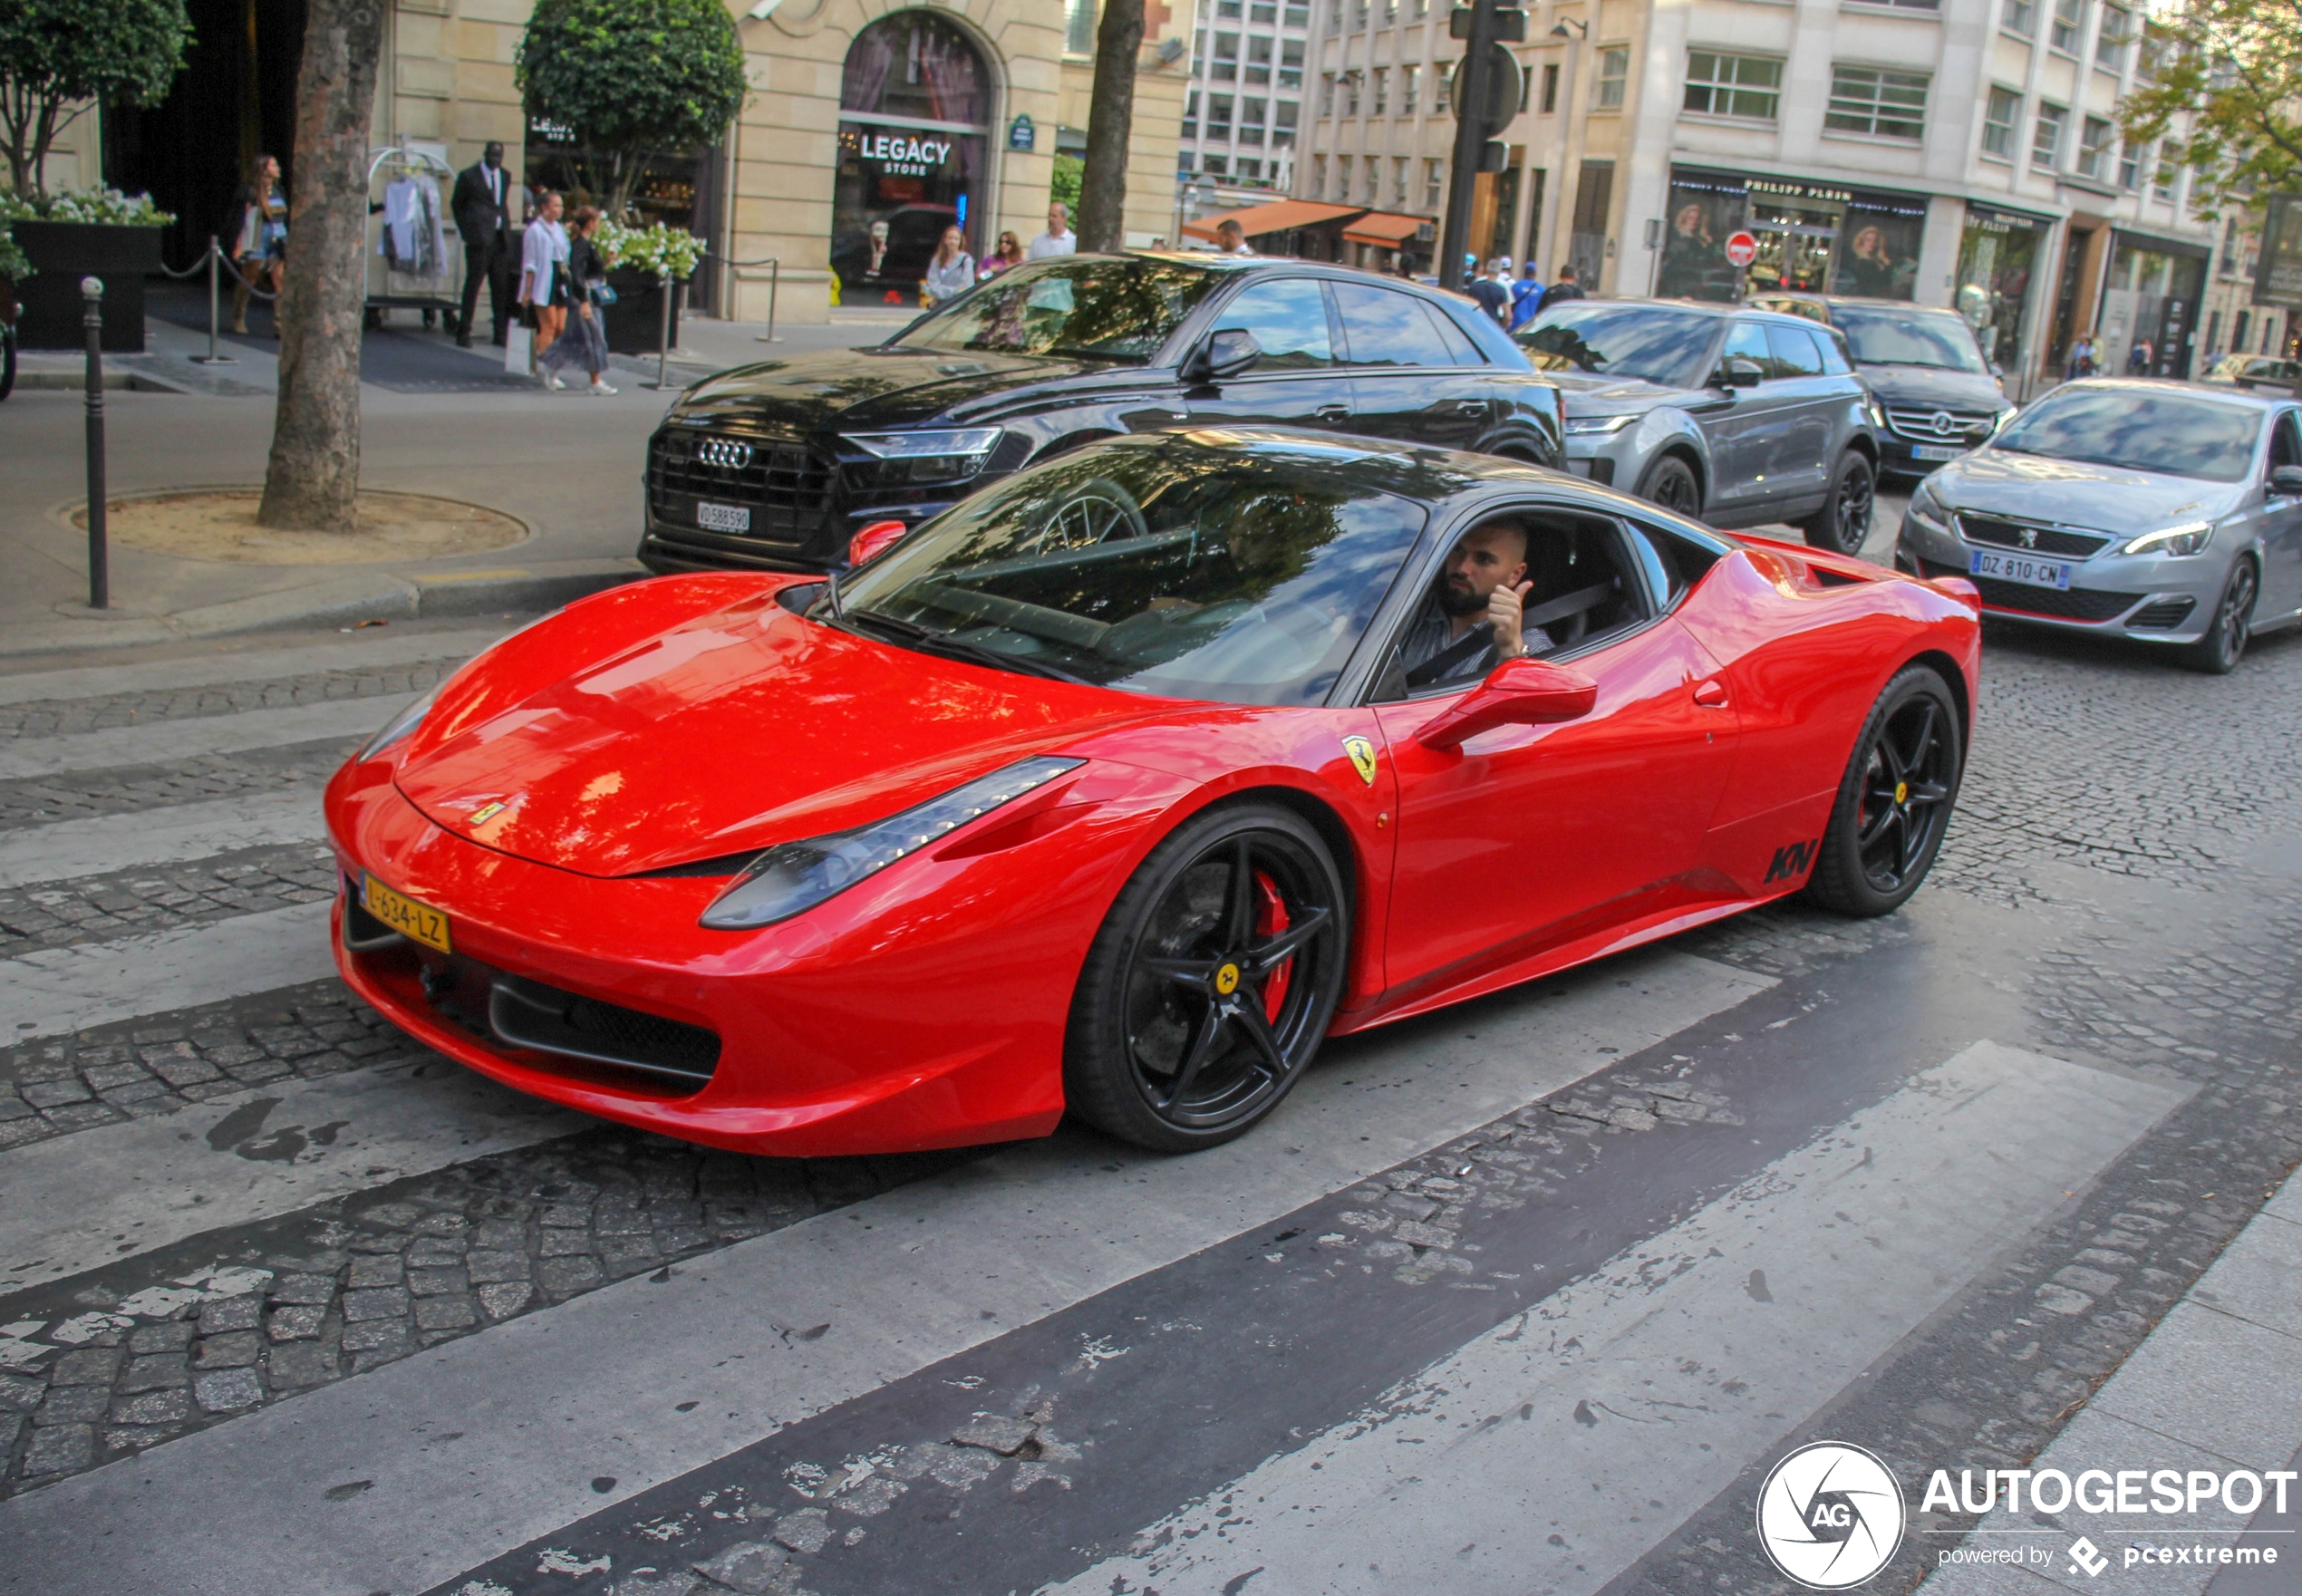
[930,641]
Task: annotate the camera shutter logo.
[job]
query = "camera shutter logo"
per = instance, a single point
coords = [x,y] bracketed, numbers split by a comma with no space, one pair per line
[1830,1515]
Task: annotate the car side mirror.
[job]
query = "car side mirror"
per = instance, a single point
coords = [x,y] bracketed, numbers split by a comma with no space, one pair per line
[1744,373]
[1518,692]
[1230,352]
[874,541]
[2287,481]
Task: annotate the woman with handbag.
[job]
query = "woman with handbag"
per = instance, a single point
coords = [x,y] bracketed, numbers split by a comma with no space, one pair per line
[586,284]
[952,272]
[543,279]
[259,252]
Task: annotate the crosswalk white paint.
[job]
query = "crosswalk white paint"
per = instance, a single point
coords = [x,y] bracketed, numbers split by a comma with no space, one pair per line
[54,992]
[211,670]
[166,741]
[1656,1381]
[96,1196]
[65,850]
[543,1404]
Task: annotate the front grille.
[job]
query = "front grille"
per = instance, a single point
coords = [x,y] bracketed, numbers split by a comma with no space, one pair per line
[2019,534]
[1917,424]
[786,486]
[2164,615]
[2080,604]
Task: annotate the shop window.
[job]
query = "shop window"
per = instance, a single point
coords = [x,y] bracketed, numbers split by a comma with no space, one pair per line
[1078,27]
[2045,138]
[1219,116]
[1410,84]
[2117,32]
[1282,125]
[1259,61]
[914,147]
[2019,16]
[1291,63]
[1191,114]
[1250,119]
[1996,254]
[1226,67]
[1877,255]
[2093,147]
[1998,119]
[1872,100]
[1614,72]
[1748,86]
[2069,22]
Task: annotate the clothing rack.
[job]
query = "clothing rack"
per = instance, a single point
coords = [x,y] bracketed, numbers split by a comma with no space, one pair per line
[413,260]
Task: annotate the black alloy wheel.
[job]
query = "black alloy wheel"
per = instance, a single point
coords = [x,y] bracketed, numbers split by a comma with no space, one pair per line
[1210,984]
[1670,483]
[2219,652]
[1895,802]
[1843,522]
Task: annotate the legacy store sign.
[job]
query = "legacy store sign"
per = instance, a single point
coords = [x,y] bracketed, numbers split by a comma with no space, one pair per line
[913,155]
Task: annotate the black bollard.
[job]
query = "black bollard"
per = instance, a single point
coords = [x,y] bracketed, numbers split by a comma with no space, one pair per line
[92,291]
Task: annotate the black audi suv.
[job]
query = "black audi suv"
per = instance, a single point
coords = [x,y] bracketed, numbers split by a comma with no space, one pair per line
[776,465]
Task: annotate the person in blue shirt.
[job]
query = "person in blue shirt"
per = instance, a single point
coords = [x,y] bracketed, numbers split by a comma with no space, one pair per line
[1526,297]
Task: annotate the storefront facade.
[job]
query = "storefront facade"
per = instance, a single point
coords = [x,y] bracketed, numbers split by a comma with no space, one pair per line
[2000,255]
[2150,305]
[1817,236]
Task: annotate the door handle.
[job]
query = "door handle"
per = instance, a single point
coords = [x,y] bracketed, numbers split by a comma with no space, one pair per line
[1471,407]
[1332,412]
[1711,694]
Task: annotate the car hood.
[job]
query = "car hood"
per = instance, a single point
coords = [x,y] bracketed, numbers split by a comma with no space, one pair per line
[802,394]
[720,732]
[1931,386]
[1595,393]
[2068,493]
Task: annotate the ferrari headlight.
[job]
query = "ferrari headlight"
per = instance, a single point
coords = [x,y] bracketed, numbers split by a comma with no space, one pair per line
[1579,425]
[792,877]
[2190,537]
[400,726]
[926,457]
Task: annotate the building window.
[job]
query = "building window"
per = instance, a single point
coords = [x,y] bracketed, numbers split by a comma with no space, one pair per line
[1410,84]
[1434,183]
[1374,176]
[1298,17]
[2152,52]
[1291,63]
[1185,163]
[1526,87]
[1227,10]
[1614,70]
[1250,119]
[1319,177]
[1249,169]
[2094,146]
[1226,67]
[1259,59]
[2130,168]
[1442,86]
[2070,21]
[2045,138]
[1382,90]
[1219,116]
[1872,100]
[1399,179]
[1350,93]
[1327,93]
[1282,127]
[2165,172]
[2019,16]
[1265,14]
[1390,13]
[1078,27]
[1733,85]
[1199,54]
[1216,166]
[1550,88]
[1998,119]
[1191,114]
[2117,32]
[1359,18]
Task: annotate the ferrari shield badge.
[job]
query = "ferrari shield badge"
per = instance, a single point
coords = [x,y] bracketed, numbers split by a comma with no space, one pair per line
[485,813]
[1362,758]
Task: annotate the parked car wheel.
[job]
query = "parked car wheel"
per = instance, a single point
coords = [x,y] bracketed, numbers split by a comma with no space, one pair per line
[1843,522]
[1894,803]
[1670,483]
[2219,652]
[1211,983]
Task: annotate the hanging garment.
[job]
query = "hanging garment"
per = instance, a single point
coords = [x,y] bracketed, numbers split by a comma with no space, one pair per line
[398,244]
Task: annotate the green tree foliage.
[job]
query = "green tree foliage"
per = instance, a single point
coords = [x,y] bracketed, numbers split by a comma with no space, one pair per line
[1068,170]
[57,57]
[2235,68]
[630,78]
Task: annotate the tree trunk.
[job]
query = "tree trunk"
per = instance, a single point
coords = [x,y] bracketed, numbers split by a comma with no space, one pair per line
[1111,117]
[312,481]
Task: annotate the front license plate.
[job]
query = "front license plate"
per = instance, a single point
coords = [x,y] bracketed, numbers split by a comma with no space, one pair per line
[1934,451]
[723,518]
[417,922]
[2021,568]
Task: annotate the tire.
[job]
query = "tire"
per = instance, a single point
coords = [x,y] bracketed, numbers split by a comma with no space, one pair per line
[7,361]
[2219,652]
[1843,522]
[1671,482]
[1895,800]
[1210,986]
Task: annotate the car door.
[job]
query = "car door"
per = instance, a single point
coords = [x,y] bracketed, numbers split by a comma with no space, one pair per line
[1810,400]
[1526,838]
[1742,427]
[1298,380]
[2282,524]
[1414,376]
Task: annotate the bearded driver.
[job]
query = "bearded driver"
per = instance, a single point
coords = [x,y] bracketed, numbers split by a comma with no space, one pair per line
[1482,585]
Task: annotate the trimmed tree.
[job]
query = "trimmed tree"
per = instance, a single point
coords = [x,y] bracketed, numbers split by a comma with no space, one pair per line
[2234,68]
[313,480]
[1110,123]
[632,79]
[59,57]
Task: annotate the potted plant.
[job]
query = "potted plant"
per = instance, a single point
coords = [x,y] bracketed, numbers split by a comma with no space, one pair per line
[644,265]
[58,58]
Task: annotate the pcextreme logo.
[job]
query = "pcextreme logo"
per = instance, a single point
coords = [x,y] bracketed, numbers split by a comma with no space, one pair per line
[1830,1515]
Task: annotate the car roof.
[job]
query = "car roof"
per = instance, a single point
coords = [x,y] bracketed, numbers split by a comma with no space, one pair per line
[2176,385]
[1707,307]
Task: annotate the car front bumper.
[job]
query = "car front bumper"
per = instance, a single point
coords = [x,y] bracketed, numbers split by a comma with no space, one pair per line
[2149,597]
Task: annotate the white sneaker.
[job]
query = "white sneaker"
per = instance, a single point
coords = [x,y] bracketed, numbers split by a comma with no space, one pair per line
[602,390]
[551,380]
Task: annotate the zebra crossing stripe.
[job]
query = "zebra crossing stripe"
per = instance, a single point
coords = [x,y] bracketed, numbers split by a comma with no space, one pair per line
[54,992]
[166,741]
[213,669]
[171,834]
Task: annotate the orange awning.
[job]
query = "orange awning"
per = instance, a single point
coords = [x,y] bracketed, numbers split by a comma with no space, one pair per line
[1278,217]
[1385,228]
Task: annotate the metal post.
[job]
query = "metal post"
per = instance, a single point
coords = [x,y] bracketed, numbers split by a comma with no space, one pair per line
[775,281]
[1471,136]
[214,267]
[664,337]
[92,292]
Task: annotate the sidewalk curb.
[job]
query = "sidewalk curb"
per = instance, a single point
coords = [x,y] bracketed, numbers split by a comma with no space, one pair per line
[341,601]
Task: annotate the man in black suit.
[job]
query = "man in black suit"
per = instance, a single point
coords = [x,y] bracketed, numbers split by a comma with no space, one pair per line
[482,190]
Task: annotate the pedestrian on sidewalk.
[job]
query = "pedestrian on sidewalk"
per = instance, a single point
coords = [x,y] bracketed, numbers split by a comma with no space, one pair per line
[953,271]
[1526,297]
[584,279]
[484,222]
[542,280]
[1560,291]
[1059,238]
[1010,253]
[259,253]
[1493,297]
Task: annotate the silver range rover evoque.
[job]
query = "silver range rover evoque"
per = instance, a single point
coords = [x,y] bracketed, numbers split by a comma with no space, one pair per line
[2163,512]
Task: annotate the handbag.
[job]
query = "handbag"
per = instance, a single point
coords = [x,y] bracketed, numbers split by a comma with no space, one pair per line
[520,352]
[603,294]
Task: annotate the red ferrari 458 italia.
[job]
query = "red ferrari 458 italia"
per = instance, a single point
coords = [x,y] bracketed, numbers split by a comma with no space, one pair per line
[1116,789]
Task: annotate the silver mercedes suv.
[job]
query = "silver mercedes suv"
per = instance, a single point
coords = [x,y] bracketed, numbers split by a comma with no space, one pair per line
[1738,416]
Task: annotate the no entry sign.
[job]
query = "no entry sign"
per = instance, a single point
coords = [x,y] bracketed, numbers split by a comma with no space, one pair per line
[1741,248]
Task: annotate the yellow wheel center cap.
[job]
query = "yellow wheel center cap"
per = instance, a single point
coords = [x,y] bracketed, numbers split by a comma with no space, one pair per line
[1902,792]
[1227,980]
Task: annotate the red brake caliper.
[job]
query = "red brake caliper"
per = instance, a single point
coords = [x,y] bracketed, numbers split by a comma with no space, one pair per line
[1271,919]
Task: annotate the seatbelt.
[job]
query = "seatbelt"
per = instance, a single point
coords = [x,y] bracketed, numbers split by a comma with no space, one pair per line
[1481,637]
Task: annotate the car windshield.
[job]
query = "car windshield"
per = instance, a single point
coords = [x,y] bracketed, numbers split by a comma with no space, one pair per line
[1907,338]
[2140,430]
[1209,568]
[1095,307]
[1658,345]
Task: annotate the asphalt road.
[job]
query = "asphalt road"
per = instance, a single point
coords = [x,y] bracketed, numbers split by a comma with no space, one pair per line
[1523,1296]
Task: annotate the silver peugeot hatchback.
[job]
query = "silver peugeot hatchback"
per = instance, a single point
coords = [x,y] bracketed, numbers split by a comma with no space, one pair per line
[2164,512]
